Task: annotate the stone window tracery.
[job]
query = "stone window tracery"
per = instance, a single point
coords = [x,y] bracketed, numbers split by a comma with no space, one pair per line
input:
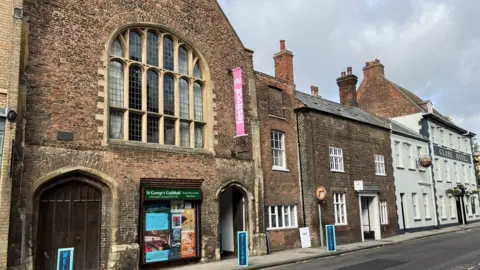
[155,90]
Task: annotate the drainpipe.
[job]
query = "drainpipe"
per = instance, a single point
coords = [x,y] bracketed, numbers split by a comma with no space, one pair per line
[304,217]
[425,126]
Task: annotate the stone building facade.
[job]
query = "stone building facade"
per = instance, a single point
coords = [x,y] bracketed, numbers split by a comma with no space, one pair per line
[340,144]
[10,60]
[129,112]
[279,152]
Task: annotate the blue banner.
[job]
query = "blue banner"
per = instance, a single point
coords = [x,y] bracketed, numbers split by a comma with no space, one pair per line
[331,240]
[65,259]
[242,247]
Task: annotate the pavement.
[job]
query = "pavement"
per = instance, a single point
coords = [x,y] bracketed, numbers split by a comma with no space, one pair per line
[292,256]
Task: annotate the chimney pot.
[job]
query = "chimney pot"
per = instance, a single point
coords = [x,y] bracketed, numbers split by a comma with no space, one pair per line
[343,73]
[314,90]
[282,45]
[349,70]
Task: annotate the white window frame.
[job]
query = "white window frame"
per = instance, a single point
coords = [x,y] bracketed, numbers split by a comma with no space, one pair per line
[380,165]
[432,128]
[339,206]
[442,206]
[472,175]
[459,143]
[453,207]
[447,171]
[426,206]
[274,134]
[438,169]
[383,213]
[278,211]
[474,205]
[336,159]
[441,137]
[398,154]
[416,210]
[411,159]
[451,140]
[457,173]
[464,173]
[468,205]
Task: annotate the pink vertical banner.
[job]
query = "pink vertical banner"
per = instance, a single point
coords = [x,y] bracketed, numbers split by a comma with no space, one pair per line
[238,96]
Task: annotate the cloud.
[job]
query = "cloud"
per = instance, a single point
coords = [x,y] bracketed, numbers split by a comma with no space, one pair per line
[430,47]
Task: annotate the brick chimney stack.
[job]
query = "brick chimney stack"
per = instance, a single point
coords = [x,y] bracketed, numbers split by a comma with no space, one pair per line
[314,90]
[373,68]
[284,64]
[347,86]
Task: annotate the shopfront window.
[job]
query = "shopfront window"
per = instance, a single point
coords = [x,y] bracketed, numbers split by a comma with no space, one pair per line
[169,224]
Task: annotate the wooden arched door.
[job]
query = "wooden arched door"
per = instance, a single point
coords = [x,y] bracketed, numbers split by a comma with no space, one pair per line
[69,216]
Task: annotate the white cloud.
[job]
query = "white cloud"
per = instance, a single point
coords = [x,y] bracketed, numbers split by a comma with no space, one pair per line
[430,47]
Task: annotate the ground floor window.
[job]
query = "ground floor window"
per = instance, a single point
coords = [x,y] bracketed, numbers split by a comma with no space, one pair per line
[453,207]
[426,205]
[282,216]
[169,224]
[340,208]
[383,212]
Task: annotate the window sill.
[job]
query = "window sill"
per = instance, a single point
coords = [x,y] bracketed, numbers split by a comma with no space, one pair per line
[411,169]
[337,171]
[384,224]
[449,181]
[417,219]
[428,218]
[158,147]
[279,169]
[453,218]
[424,183]
[422,170]
[444,218]
[341,225]
[439,180]
[400,168]
[277,117]
[380,174]
[281,229]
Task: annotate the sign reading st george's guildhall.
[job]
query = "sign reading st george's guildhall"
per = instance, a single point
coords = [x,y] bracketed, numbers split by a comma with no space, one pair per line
[439,151]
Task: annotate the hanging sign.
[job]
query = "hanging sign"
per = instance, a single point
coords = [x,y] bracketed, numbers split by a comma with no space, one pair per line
[242,247]
[65,259]
[238,97]
[320,193]
[305,237]
[331,240]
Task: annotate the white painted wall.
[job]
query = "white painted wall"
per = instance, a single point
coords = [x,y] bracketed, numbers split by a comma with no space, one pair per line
[448,178]
[226,222]
[411,121]
[412,180]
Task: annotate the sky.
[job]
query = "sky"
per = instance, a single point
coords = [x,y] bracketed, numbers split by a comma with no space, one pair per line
[430,47]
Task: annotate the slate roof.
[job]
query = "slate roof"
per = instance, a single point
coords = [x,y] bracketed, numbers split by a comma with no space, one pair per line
[330,107]
[417,100]
[403,130]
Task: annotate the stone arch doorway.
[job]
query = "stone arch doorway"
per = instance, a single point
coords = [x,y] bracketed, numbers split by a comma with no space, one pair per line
[234,217]
[77,199]
[69,216]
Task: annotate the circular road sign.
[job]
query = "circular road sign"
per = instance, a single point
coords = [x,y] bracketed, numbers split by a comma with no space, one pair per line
[320,192]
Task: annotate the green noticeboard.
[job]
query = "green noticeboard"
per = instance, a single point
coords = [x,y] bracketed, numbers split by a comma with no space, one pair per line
[172,194]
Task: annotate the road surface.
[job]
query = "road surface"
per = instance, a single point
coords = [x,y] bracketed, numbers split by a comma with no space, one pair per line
[453,251]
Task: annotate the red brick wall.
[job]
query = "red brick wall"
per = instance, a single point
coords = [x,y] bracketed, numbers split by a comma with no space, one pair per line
[280,187]
[360,142]
[380,97]
[66,44]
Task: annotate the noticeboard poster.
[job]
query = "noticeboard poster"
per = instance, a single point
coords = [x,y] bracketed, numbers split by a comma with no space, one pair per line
[169,231]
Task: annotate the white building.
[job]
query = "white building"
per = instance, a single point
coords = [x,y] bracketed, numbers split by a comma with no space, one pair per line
[413,183]
[450,147]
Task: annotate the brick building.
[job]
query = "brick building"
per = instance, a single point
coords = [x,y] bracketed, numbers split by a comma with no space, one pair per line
[10,52]
[340,144]
[450,146]
[279,152]
[128,135]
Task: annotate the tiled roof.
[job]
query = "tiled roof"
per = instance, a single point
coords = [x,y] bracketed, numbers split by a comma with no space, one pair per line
[327,106]
[399,128]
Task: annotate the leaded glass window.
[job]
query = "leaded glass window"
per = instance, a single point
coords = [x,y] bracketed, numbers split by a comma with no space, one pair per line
[149,101]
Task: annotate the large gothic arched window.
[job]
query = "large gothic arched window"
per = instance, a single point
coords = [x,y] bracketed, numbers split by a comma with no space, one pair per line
[155,90]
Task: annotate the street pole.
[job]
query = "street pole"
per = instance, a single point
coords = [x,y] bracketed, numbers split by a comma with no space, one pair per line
[462,210]
[320,224]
